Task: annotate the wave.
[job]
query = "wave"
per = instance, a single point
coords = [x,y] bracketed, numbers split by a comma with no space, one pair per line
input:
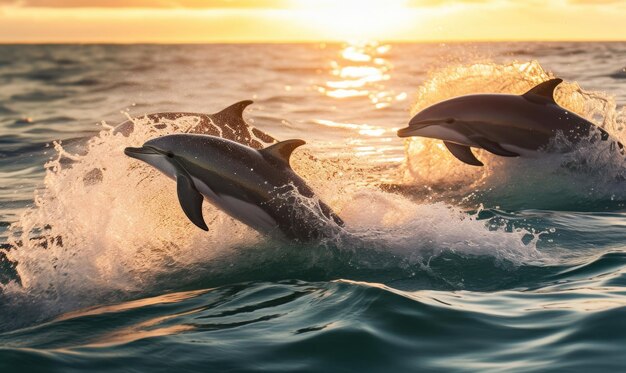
[121,235]
[106,229]
[42,96]
[83,82]
[619,74]
[341,325]
[4,110]
[51,75]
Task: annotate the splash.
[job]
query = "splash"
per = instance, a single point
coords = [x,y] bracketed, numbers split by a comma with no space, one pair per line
[106,228]
[590,173]
[108,236]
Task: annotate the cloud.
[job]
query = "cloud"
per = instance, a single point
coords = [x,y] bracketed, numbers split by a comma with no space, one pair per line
[199,4]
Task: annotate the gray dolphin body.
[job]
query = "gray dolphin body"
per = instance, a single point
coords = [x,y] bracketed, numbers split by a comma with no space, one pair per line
[254,186]
[503,124]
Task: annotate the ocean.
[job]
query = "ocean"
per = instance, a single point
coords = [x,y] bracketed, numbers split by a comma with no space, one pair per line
[516,266]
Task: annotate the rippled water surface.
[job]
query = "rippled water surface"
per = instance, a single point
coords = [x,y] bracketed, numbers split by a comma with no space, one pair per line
[519,265]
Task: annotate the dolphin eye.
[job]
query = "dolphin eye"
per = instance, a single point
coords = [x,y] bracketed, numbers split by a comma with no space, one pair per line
[450,120]
[170,155]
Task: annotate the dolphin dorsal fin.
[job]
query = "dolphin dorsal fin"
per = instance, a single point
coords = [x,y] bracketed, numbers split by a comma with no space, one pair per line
[282,150]
[545,89]
[234,111]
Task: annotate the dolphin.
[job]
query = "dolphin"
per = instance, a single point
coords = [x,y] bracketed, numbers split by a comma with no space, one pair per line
[503,124]
[227,123]
[256,187]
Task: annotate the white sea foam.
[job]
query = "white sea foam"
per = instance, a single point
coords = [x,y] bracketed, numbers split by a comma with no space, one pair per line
[592,171]
[110,226]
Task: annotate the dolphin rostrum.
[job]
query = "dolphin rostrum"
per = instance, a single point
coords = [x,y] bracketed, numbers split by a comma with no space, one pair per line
[502,124]
[257,187]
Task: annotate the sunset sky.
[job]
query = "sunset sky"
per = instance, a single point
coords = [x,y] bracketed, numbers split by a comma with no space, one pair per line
[309,20]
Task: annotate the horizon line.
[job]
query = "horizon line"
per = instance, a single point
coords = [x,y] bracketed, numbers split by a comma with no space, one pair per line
[320,41]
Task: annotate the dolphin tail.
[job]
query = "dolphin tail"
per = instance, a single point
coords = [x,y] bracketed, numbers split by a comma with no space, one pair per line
[463,153]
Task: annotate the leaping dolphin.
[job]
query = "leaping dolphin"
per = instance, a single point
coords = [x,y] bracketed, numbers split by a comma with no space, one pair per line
[227,123]
[503,124]
[254,186]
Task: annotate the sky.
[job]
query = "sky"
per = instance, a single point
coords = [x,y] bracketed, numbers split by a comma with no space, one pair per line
[212,21]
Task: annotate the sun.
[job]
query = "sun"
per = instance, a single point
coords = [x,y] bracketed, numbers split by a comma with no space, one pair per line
[354,19]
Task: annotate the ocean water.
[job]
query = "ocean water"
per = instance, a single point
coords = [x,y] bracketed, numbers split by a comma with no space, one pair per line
[517,266]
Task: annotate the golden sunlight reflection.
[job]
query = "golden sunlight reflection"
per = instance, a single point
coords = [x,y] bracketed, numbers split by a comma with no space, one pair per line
[361,72]
[362,129]
[163,299]
[585,305]
[148,329]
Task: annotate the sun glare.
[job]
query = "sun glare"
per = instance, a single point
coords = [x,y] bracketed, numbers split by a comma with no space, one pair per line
[354,19]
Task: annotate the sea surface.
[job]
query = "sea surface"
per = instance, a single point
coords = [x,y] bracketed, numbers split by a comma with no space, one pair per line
[516,266]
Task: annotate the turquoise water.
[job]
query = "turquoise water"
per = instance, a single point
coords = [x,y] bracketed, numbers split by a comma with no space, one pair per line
[517,266]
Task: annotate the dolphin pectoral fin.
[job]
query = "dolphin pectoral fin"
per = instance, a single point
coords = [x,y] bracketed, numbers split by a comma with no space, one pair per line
[463,153]
[281,151]
[544,90]
[494,147]
[190,199]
